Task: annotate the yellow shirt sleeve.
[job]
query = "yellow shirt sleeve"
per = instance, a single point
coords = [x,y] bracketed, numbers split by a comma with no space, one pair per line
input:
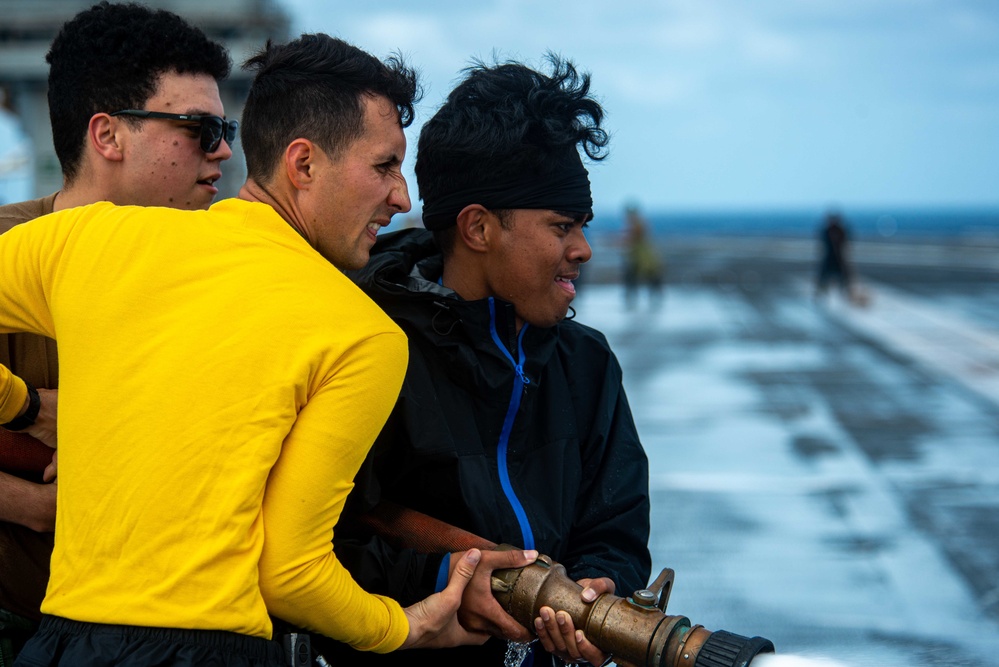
[300,577]
[26,260]
[13,391]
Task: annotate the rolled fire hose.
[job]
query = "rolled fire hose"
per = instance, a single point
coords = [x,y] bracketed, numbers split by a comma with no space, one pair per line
[634,629]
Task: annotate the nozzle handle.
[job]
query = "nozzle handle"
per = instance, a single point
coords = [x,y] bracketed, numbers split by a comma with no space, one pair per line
[663,586]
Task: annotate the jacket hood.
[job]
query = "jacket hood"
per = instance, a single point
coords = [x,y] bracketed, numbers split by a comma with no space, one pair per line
[392,268]
[402,277]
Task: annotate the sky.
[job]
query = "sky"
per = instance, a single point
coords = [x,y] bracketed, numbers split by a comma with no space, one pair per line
[735,104]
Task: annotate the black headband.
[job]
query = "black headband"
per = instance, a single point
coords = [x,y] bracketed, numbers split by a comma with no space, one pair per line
[565,188]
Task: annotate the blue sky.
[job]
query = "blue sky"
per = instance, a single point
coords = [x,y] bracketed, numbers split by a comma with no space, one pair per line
[737,103]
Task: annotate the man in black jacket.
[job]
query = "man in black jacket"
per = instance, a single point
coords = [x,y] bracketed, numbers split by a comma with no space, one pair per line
[512,422]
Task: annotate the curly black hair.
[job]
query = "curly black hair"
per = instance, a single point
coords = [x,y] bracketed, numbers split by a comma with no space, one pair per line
[313,87]
[507,120]
[110,57]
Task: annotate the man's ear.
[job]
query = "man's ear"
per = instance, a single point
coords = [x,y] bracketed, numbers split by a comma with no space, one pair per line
[300,158]
[104,133]
[474,227]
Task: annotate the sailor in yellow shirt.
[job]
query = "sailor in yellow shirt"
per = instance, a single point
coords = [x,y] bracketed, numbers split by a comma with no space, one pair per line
[222,381]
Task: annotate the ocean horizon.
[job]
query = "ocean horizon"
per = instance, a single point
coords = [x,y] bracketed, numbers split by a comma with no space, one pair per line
[953,224]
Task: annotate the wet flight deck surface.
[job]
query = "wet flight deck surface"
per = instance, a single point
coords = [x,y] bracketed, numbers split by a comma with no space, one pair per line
[823,474]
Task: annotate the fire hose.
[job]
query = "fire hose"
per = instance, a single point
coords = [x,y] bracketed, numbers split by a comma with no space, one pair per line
[21,453]
[634,629]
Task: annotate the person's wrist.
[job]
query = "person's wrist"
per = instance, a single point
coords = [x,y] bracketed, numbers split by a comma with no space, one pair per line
[28,415]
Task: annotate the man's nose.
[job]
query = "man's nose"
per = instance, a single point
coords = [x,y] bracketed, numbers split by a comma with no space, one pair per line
[580,250]
[223,152]
[399,197]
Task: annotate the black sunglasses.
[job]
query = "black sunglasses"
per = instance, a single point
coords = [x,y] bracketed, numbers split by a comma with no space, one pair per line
[213,128]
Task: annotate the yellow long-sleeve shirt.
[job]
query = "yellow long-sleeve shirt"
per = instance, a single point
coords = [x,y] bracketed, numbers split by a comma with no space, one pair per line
[220,384]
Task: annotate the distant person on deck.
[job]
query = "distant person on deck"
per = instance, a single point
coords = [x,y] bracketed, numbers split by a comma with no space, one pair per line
[833,264]
[642,264]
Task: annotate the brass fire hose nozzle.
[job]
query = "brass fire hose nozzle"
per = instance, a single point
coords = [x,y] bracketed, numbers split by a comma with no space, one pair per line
[635,629]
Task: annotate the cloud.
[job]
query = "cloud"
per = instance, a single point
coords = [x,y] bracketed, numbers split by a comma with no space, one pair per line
[808,90]
[770,47]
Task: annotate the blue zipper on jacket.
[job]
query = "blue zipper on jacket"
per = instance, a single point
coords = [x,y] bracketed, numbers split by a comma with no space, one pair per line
[519,381]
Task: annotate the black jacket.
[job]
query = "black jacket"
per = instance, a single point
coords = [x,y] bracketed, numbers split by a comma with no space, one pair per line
[526,440]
